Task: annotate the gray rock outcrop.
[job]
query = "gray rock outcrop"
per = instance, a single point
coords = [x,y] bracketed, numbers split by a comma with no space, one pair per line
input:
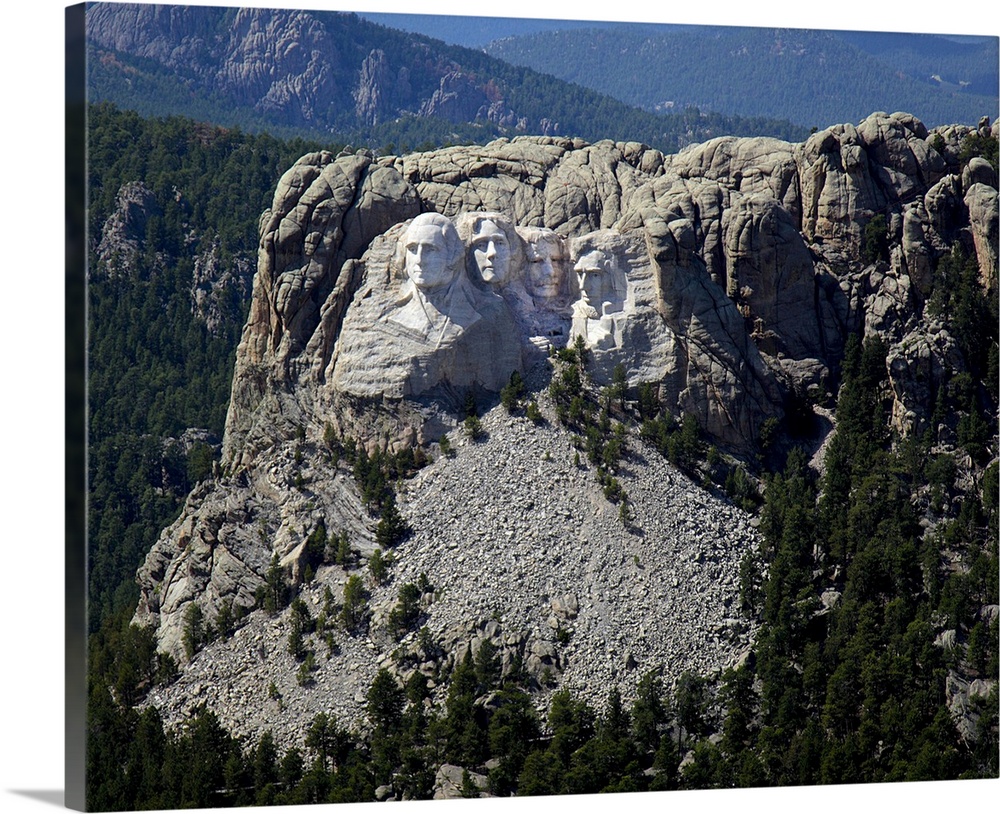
[981,203]
[124,231]
[753,246]
[449,782]
[308,69]
[216,284]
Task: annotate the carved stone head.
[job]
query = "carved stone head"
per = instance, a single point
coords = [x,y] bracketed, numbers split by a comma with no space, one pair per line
[546,263]
[602,283]
[431,251]
[494,253]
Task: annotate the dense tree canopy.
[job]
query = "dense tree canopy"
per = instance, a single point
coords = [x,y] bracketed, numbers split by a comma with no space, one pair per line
[154,367]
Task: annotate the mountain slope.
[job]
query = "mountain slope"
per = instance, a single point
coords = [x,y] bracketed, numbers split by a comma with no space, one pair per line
[572,549]
[324,72]
[520,545]
[968,63]
[809,77]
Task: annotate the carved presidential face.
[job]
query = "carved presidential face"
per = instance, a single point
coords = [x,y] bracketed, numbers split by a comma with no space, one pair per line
[591,270]
[491,253]
[427,256]
[545,267]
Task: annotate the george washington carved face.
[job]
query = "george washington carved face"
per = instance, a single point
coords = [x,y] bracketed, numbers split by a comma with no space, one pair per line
[429,247]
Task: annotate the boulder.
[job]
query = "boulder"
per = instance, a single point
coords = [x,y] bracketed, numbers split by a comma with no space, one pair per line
[979,171]
[984,222]
[964,699]
[450,782]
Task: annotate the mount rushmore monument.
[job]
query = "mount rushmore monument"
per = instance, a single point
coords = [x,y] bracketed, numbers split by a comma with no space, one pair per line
[728,274]
[392,290]
[469,303]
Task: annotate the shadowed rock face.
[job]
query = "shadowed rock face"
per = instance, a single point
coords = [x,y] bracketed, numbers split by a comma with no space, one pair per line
[740,262]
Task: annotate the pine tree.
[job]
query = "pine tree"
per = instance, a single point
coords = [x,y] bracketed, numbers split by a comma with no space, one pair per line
[392,527]
[407,610]
[378,567]
[354,612]
[193,636]
[275,592]
[384,703]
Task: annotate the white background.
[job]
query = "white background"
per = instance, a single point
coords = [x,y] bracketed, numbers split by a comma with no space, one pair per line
[31,342]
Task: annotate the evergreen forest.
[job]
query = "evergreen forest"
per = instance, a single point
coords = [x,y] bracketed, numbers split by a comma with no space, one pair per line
[535,98]
[155,368]
[810,78]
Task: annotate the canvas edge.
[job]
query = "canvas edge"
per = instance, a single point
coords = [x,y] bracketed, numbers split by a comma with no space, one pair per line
[75,403]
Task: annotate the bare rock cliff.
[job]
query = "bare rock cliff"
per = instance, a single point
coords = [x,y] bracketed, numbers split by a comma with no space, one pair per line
[756,247]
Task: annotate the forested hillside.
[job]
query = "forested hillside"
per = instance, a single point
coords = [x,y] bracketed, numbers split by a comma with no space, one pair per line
[845,684]
[968,64]
[155,367]
[361,83]
[812,78]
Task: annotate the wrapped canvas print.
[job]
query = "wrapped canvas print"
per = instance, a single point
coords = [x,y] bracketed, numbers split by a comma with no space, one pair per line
[503,407]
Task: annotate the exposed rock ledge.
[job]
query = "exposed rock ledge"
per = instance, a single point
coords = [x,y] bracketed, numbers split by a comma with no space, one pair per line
[746,258]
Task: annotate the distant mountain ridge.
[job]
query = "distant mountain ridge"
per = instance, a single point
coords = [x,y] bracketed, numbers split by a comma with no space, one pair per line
[479,32]
[966,62]
[812,78]
[328,73]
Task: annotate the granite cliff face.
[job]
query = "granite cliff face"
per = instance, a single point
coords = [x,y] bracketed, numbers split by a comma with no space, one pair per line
[391,290]
[276,62]
[751,251]
[302,69]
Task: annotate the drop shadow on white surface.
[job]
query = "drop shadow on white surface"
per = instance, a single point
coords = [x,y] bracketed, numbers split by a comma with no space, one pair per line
[54,797]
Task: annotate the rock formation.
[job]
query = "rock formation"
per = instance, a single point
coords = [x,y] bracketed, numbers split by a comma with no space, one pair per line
[325,71]
[391,290]
[125,230]
[745,268]
[215,285]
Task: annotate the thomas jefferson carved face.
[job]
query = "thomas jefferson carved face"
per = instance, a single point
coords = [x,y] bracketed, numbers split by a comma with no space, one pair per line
[491,252]
[428,256]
